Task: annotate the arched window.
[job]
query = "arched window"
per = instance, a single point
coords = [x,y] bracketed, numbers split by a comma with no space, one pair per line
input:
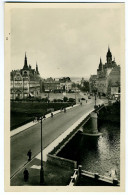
[25,73]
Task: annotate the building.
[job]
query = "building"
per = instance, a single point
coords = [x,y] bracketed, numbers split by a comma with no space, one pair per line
[107,78]
[114,81]
[51,85]
[57,85]
[65,79]
[25,82]
[92,83]
[66,86]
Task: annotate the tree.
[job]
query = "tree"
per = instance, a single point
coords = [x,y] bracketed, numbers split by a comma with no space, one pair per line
[73,85]
[84,87]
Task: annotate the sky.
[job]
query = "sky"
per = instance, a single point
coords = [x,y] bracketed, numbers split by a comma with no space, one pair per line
[65,42]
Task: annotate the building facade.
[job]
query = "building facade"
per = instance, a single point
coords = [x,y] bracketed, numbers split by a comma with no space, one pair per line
[25,82]
[108,76]
[92,83]
[57,85]
[51,85]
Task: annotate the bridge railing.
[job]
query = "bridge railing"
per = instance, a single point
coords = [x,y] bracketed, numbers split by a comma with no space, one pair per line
[62,144]
[79,172]
[74,178]
[98,108]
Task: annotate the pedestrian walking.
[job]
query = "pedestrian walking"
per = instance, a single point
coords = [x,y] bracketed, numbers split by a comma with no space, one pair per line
[29,154]
[81,103]
[64,109]
[51,115]
[26,175]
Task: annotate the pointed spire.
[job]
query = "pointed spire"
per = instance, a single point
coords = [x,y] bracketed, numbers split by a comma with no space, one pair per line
[25,62]
[100,61]
[37,68]
[109,56]
[100,65]
[108,49]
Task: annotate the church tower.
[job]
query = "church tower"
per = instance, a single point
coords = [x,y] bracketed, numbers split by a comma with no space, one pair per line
[109,56]
[37,71]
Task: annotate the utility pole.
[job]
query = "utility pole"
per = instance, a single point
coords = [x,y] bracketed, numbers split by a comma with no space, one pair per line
[95,91]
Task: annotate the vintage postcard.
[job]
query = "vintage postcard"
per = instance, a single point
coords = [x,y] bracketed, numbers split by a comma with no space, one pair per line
[64,97]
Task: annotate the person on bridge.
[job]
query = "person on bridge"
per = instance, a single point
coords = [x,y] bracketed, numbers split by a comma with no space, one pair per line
[26,175]
[29,154]
[44,117]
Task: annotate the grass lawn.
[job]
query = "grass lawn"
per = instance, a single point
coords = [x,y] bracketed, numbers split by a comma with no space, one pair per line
[24,112]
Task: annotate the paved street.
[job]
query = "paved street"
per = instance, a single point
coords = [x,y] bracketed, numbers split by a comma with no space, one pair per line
[52,128]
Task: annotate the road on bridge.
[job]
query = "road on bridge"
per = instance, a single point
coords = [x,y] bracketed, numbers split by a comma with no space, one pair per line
[52,128]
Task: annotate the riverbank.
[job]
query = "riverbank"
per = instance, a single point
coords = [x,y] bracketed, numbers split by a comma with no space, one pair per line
[110,113]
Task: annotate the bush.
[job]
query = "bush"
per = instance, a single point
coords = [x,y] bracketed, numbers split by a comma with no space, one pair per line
[65,99]
[44,99]
[55,100]
[71,100]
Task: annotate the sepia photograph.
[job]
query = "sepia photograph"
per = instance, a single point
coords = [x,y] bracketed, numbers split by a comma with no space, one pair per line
[64,97]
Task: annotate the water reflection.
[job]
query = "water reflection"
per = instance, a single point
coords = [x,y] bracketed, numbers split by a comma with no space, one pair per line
[97,154]
[102,155]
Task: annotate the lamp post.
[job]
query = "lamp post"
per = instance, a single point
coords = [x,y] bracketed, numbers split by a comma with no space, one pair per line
[75,94]
[95,92]
[41,170]
[95,98]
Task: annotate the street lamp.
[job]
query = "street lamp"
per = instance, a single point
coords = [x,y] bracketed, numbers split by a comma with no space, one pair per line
[75,94]
[95,93]
[41,170]
[95,98]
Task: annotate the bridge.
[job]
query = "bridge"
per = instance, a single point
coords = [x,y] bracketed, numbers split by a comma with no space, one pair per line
[59,129]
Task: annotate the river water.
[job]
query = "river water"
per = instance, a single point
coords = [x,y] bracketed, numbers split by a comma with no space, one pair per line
[97,154]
